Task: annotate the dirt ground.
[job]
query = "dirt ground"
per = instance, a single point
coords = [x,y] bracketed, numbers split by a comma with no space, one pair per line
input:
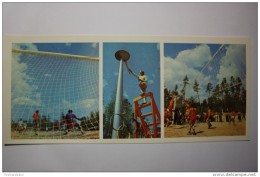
[29,134]
[217,129]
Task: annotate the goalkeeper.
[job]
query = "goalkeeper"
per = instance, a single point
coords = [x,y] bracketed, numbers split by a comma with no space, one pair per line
[72,121]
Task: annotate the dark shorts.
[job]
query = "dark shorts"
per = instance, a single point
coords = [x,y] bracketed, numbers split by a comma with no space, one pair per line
[143,86]
[35,123]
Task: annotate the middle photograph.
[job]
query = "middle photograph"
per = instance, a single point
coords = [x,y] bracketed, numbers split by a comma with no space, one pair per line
[131,90]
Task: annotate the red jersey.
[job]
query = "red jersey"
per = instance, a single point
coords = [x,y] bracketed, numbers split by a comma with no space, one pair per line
[35,116]
[171,105]
[193,114]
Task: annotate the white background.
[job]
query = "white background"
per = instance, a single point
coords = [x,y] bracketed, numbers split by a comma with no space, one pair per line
[137,19]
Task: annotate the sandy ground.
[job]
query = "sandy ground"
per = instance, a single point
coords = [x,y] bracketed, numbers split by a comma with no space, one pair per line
[217,129]
[29,134]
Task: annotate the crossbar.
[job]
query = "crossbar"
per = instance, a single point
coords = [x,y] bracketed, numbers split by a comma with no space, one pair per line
[78,57]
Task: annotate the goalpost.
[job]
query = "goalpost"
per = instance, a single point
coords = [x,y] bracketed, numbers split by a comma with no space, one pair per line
[53,83]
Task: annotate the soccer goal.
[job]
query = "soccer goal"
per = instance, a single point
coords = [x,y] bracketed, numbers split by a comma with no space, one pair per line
[53,83]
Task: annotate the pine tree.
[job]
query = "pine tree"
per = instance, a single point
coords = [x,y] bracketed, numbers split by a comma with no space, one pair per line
[196,89]
[127,116]
[185,83]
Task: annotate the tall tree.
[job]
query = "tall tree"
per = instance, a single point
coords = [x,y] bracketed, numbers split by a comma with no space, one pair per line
[209,88]
[196,89]
[243,100]
[224,86]
[166,97]
[238,87]
[224,93]
[216,98]
[237,96]
[185,83]
[217,91]
[127,117]
[176,90]
[232,86]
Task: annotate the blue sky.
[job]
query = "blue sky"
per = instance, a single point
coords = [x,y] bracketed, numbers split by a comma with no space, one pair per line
[143,56]
[182,59]
[54,85]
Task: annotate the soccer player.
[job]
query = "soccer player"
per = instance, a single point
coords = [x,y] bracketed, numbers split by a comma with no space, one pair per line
[36,120]
[21,126]
[72,120]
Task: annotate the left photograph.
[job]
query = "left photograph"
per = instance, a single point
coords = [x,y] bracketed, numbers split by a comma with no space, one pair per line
[55,91]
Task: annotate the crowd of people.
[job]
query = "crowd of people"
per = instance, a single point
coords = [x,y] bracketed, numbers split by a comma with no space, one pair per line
[191,116]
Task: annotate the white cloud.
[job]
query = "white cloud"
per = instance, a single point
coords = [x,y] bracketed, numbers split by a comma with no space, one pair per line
[89,103]
[184,64]
[210,68]
[150,81]
[23,93]
[68,44]
[66,103]
[175,71]
[194,57]
[233,63]
[125,94]
[25,46]
[26,101]
[94,45]
[158,46]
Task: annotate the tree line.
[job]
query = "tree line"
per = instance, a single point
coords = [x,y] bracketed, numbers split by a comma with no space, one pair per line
[226,96]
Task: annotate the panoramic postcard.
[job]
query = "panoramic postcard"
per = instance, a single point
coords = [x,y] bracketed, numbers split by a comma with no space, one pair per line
[94,89]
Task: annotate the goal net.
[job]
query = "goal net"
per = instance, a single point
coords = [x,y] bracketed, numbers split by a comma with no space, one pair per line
[53,83]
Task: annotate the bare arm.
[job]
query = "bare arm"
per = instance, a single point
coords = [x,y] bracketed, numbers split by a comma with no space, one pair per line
[130,71]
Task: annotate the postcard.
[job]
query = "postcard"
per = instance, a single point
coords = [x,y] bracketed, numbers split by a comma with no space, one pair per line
[115,89]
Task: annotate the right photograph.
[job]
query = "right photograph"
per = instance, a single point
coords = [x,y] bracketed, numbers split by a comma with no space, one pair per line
[204,90]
